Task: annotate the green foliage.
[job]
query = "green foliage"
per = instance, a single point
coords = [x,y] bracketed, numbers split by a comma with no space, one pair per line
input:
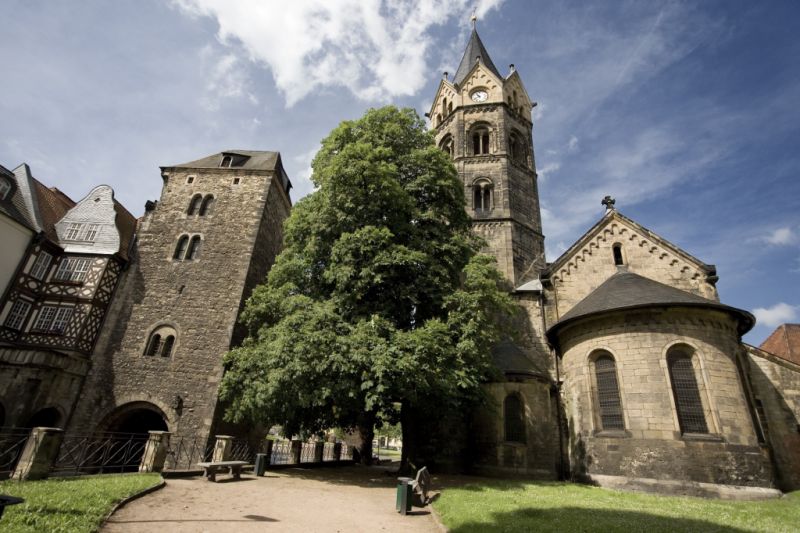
[379,295]
[68,505]
[516,506]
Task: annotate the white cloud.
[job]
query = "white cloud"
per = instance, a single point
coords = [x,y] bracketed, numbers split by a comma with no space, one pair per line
[572,145]
[375,49]
[776,315]
[546,170]
[227,79]
[302,180]
[781,236]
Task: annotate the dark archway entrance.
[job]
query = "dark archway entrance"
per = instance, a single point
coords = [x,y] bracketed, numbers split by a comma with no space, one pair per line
[49,417]
[124,433]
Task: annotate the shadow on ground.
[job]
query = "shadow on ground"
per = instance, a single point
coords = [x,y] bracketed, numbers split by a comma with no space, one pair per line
[580,519]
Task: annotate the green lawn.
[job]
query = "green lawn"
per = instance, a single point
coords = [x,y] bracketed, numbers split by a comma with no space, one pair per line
[68,505]
[510,506]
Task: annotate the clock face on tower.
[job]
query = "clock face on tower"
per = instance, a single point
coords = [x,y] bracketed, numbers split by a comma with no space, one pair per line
[479,95]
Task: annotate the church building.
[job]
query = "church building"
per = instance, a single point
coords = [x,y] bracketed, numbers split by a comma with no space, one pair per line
[627,370]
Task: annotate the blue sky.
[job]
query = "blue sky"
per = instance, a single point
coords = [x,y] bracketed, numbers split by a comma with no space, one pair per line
[686,112]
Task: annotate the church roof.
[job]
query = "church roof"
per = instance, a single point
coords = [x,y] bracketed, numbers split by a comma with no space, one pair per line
[242,159]
[626,290]
[474,49]
[510,359]
[784,342]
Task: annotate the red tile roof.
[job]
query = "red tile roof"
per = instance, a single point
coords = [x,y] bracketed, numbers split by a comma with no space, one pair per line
[784,342]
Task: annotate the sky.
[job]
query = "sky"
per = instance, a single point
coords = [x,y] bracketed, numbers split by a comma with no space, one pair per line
[685,112]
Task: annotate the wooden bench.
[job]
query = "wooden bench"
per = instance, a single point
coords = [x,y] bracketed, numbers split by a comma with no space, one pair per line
[421,485]
[233,467]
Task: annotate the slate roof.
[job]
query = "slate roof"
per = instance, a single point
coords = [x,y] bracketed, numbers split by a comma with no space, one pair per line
[626,290]
[784,342]
[510,359]
[14,204]
[474,49]
[256,160]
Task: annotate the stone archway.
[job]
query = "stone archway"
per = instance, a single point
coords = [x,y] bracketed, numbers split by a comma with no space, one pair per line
[134,417]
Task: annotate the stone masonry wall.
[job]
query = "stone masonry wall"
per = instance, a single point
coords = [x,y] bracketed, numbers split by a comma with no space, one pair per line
[776,385]
[590,265]
[199,298]
[538,456]
[652,444]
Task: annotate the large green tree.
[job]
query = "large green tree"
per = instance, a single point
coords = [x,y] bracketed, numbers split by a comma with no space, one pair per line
[380,301]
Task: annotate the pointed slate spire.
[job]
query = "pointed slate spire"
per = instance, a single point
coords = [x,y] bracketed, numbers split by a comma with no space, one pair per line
[474,49]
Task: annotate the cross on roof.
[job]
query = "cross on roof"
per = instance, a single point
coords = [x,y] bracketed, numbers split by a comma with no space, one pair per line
[609,203]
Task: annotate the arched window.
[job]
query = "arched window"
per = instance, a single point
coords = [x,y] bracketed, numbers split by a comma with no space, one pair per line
[617,250]
[691,417]
[447,145]
[169,342]
[180,248]
[226,161]
[444,106]
[205,207]
[194,205]
[482,192]
[438,119]
[154,345]
[480,140]
[449,108]
[514,419]
[5,188]
[608,401]
[194,248]
[161,341]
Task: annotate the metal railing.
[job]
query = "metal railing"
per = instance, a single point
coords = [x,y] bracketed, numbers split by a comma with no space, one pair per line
[185,452]
[12,442]
[98,453]
[281,452]
[328,452]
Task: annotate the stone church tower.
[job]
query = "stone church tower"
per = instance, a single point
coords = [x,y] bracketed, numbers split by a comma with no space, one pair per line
[200,251]
[483,119]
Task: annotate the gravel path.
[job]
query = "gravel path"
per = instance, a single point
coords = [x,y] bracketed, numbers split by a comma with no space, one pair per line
[345,499]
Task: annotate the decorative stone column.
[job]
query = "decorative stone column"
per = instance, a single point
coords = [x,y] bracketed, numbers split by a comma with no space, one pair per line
[337,451]
[296,450]
[155,452]
[319,450]
[39,454]
[223,448]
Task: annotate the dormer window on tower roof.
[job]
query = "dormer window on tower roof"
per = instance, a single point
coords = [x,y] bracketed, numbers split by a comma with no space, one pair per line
[226,161]
[5,188]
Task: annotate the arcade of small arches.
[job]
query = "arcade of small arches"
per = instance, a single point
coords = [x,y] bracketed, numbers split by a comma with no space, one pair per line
[200,205]
[187,248]
[480,137]
[161,342]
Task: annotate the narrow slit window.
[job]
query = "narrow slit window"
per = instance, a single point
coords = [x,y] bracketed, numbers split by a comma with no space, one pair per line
[617,250]
[166,351]
[205,207]
[194,248]
[194,205]
[691,417]
[608,398]
[180,248]
[154,345]
[514,419]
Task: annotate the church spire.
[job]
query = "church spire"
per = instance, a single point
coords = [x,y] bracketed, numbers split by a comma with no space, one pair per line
[475,49]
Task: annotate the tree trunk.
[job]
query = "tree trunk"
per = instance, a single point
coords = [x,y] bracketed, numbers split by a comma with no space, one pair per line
[366,432]
[407,427]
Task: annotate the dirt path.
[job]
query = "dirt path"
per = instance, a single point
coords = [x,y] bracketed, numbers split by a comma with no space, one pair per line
[348,499]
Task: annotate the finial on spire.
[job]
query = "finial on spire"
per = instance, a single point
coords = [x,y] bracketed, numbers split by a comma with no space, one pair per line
[609,203]
[474,19]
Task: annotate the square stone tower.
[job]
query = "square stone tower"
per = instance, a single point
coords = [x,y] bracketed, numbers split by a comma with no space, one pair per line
[200,251]
[483,120]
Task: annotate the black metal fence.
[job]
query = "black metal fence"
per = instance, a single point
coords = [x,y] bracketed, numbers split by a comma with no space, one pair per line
[98,453]
[12,442]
